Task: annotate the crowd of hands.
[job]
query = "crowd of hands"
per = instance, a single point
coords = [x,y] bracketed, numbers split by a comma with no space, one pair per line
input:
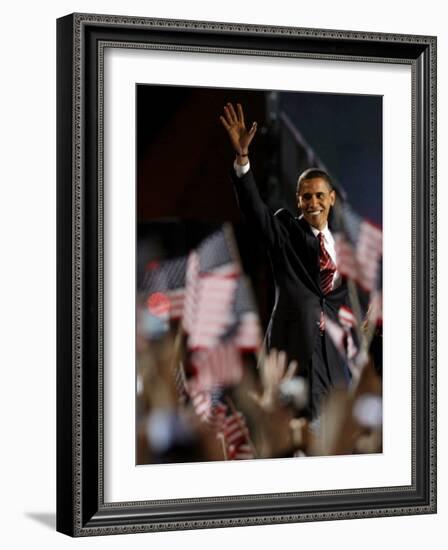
[276,426]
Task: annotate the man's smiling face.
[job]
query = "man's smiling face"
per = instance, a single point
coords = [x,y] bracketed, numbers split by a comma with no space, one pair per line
[315,198]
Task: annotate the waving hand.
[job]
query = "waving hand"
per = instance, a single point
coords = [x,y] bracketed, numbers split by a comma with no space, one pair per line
[240,136]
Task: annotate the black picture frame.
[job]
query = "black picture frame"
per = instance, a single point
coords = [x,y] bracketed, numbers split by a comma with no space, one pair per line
[81,510]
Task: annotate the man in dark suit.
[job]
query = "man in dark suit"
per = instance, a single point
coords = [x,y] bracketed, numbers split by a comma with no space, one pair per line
[309,289]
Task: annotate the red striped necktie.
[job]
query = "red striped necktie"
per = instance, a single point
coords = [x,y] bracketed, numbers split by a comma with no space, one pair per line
[327,267]
[326,274]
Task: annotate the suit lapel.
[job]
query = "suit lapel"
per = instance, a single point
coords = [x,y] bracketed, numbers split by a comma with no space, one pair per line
[306,242]
[312,250]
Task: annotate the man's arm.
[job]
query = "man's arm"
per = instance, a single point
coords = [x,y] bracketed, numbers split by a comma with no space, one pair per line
[249,200]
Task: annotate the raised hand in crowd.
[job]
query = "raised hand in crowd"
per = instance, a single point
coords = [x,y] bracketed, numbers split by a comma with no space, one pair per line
[273,372]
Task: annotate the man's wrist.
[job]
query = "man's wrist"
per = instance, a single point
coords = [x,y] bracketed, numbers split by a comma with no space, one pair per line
[241,169]
[242,158]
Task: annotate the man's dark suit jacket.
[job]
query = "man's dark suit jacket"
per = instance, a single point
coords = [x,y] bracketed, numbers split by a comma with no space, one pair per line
[294,253]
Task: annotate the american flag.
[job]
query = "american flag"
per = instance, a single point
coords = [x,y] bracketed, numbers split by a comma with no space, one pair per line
[246,330]
[217,367]
[191,291]
[359,249]
[164,286]
[211,281]
[248,336]
[212,313]
[230,428]
[205,289]
[341,333]
[234,429]
[218,308]
[218,253]
[241,452]
[346,317]
[209,408]
[348,321]
[202,403]
[236,437]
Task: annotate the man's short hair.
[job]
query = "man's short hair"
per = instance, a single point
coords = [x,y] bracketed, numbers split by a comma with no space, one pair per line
[312,173]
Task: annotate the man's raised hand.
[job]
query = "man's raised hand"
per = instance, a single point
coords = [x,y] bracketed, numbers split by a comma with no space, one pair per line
[240,136]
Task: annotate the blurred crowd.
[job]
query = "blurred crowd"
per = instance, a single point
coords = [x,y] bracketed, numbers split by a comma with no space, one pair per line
[206,388]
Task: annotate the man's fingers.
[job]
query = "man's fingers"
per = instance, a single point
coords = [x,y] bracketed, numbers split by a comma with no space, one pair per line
[224,123]
[255,397]
[271,360]
[252,130]
[232,112]
[292,369]
[240,113]
[228,116]
[268,370]
[281,362]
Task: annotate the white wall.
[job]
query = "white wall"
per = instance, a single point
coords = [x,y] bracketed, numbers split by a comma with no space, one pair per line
[27,227]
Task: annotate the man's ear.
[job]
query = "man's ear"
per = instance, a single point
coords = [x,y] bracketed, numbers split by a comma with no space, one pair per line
[332,197]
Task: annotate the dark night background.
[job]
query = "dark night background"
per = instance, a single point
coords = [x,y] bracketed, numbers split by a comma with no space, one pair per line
[184,159]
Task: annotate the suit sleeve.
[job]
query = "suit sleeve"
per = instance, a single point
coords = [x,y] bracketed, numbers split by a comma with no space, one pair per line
[256,212]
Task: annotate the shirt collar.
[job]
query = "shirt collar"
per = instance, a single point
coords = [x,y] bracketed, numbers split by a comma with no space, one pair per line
[327,235]
[326,231]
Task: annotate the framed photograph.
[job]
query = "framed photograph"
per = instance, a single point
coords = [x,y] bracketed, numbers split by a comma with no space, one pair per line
[246,274]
